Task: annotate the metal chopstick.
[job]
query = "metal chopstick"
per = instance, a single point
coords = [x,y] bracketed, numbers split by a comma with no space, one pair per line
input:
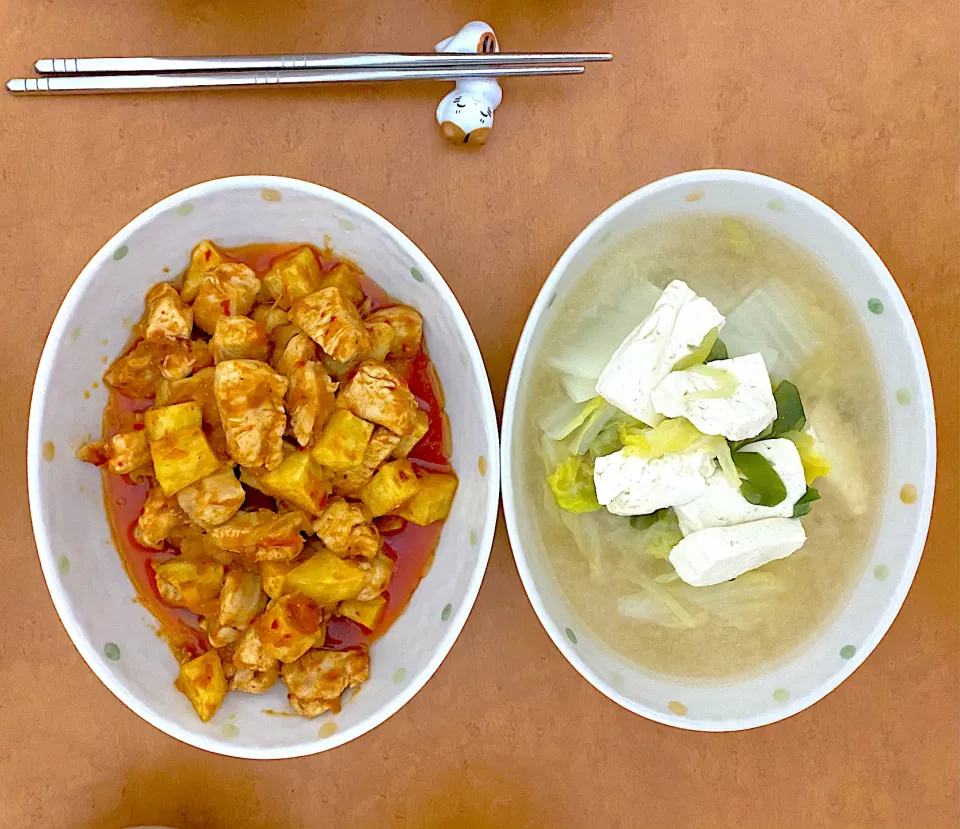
[93,84]
[153,65]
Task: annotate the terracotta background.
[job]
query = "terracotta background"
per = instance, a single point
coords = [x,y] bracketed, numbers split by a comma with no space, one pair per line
[853,100]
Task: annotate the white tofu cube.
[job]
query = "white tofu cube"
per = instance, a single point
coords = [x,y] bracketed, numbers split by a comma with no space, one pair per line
[721,505]
[673,330]
[719,554]
[628,485]
[744,414]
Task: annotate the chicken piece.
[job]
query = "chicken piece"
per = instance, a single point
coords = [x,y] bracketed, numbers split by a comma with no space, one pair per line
[379,394]
[198,388]
[343,441]
[347,529]
[313,707]
[349,482]
[221,637]
[270,317]
[181,458]
[381,339]
[159,517]
[299,480]
[346,278]
[161,420]
[188,357]
[332,322]
[137,373]
[297,350]
[167,318]
[214,499]
[193,542]
[249,653]
[204,683]
[407,444]
[377,575]
[127,451]
[254,682]
[325,675]
[290,626]
[195,584]
[94,452]
[249,397]
[205,257]
[294,275]
[242,599]
[239,338]
[432,501]
[262,535]
[228,290]
[368,613]
[310,400]
[394,484]
[407,327]
[328,579]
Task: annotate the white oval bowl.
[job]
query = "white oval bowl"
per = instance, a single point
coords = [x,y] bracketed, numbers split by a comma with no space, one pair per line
[840,646]
[91,590]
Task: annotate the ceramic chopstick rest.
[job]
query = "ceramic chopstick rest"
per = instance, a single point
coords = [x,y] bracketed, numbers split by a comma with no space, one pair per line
[465,115]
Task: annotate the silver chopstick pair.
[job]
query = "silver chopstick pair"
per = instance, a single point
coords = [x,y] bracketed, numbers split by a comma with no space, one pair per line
[78,76]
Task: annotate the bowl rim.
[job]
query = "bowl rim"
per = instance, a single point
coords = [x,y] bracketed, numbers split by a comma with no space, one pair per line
[62,602]
[924,397]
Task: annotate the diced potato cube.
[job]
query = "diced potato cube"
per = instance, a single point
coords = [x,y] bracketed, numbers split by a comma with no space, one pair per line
[407,444]
[194,583]
[198,388]
[332,322]
[205,257]
[299,480]
[214,499]
[239,338]
[379,394]
[273,574]
[346,278]
[432,501]
[160,421]
[407,326]
[343,441]
[127,451]
[395,484]
[228,290]
[166,318]
[294,275]
[182,458]
[289,627]
[204,683]
[327,579]
[366,613]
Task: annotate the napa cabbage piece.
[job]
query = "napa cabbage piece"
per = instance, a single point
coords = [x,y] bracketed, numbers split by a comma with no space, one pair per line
[582,439]
[568,417]
[815,463]
[572,485]
[726,383]
[700,353]
[659,533]
[578,389]
[669,437]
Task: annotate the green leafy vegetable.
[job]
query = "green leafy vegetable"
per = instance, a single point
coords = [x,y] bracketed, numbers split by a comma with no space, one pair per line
[700,354]
[761,484]
[645,522]
[664,535]
[790,414]
[804,505]
[572,485]
[717,352]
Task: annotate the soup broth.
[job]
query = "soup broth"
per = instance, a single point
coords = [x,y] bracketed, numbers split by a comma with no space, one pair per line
[780,301]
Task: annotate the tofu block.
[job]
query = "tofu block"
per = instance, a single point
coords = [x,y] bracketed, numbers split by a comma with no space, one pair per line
[239,338]
[394,484]
[719,554]
[343,440]
[182,458]
[366,613]
[674,330]
[377,393]
[294,275]
[630,485]
[204,683]
[205,257]
[408,443]
[214,499]
[346,278]
[432,501]
[289,627]
[230,289]
[298,480]
[194,583]
[166,318]
[327,579]
[332,322]
[407,327]
[743,414]
[162,420]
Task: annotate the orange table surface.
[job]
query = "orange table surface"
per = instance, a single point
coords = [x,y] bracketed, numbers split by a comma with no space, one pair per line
[856,102]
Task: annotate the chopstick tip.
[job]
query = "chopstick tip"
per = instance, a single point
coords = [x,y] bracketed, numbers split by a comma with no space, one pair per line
[16,85]
[44,66]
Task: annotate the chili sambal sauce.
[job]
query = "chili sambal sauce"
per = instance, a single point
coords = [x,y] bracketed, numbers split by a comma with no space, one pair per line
[411,547]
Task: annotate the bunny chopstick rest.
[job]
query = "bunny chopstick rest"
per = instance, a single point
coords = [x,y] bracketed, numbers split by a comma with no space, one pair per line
[465,115]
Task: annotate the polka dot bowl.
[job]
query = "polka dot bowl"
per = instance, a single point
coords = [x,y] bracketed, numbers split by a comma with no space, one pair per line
[91,591]
[842,643]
